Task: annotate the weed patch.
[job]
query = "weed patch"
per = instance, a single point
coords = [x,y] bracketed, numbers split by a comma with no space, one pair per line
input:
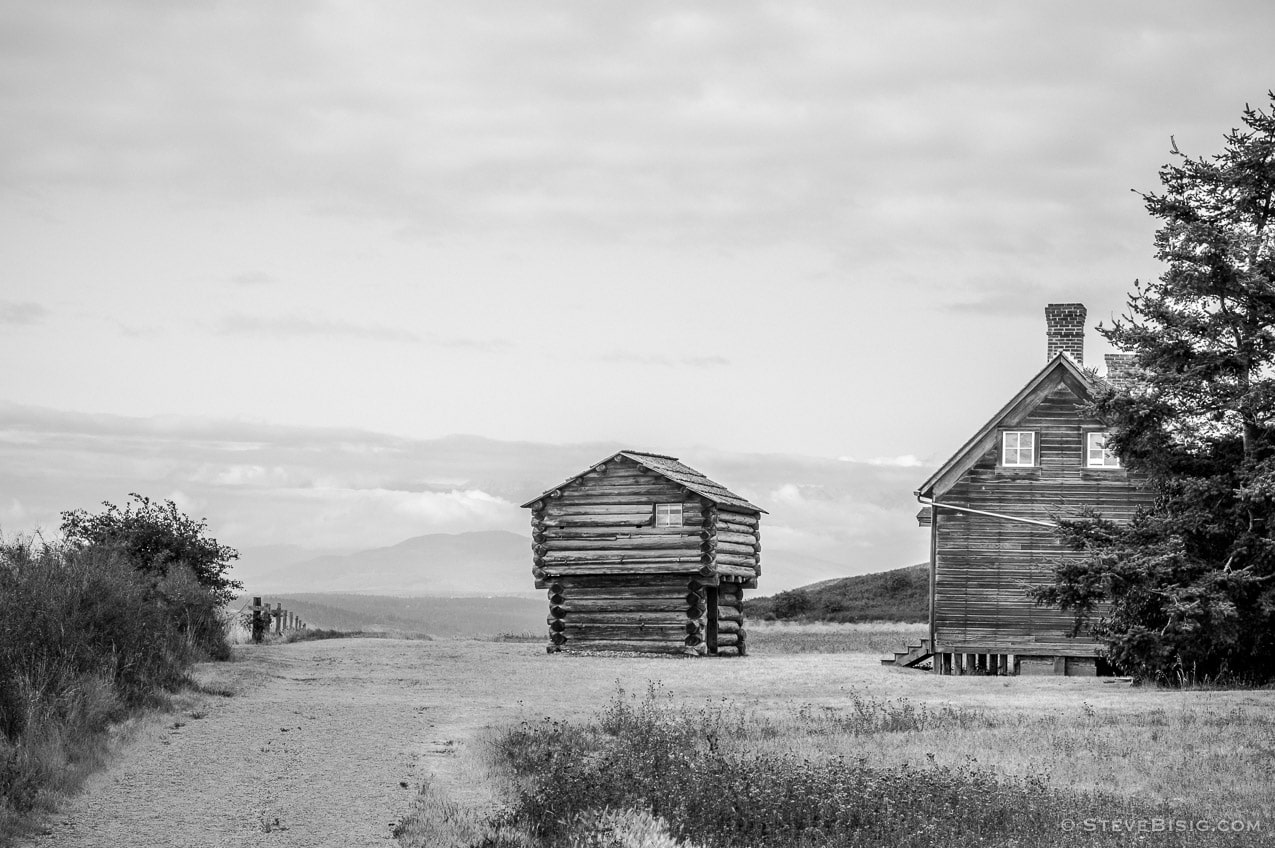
[695,775]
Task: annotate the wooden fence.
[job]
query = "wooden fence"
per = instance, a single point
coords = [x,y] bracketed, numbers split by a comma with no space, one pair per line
[278,620]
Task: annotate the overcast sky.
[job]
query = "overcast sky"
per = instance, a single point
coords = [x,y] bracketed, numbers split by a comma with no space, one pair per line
[801,233]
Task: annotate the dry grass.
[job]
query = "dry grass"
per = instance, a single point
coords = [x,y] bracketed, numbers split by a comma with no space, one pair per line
[819,691]
[874,637]
[1211,750]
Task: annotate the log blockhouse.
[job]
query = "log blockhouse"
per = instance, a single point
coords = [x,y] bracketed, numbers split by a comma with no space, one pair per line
[643,553]
[991,511]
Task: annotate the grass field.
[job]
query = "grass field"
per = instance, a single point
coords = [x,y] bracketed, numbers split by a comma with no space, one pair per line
[815,743]
[773,638]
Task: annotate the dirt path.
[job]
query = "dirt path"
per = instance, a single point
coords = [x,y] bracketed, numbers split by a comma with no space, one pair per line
[318,747]
[327,743]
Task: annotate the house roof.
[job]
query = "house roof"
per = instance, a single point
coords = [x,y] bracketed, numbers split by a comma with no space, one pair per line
[672,469]
[1061,369]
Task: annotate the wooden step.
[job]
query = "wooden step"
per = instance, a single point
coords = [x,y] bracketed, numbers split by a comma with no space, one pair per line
[911,655]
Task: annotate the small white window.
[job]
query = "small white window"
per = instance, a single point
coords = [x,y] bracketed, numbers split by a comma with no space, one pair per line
[1018,448]
[1097,454]
[668,515]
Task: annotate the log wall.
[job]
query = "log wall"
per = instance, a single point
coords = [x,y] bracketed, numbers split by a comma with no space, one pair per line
[664,614]
[984,565]
[734,540]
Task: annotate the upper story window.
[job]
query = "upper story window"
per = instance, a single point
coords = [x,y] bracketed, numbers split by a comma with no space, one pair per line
[668,515]
[1097,454]
[1018,448]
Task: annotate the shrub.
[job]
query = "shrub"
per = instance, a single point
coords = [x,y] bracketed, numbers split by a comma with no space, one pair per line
[84,637]
[156,538]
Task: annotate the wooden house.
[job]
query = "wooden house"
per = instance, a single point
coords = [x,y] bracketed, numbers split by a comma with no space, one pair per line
[643,553]
[991,511]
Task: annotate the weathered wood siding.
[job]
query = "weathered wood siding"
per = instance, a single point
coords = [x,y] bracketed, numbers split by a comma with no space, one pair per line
[618,582]
[984,565]
[603,523]
[734,540]
[661,613]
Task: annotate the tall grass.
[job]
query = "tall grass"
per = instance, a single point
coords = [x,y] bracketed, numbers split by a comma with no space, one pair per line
[84,638]
[700,777]
[875,637]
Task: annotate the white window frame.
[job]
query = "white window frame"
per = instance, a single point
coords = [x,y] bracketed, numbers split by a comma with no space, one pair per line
[1017,448]
[668,515]
[1099,455]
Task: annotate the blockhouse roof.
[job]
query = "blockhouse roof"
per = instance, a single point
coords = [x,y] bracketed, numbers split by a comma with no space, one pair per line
[671,468]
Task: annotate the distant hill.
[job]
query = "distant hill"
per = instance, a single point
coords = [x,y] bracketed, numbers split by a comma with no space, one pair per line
[435,616]
[898,595]
[493,562]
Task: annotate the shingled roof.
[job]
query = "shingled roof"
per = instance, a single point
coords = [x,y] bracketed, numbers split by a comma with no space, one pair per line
[671,468]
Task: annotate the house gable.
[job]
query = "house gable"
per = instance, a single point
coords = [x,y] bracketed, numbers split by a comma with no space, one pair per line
[992,511]
[1060,374]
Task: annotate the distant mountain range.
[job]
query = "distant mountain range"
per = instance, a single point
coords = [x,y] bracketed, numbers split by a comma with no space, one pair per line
[490,562]
[479,583]
[479,563]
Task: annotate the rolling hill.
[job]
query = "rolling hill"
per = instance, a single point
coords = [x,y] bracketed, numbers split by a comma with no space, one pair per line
[898,595]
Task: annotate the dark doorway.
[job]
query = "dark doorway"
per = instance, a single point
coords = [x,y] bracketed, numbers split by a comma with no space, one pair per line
[710,636]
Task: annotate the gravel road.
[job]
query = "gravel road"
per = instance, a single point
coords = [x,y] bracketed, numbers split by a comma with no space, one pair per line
[327,743]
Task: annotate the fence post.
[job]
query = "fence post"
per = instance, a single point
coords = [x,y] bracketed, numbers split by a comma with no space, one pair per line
[278,618]
[258,624]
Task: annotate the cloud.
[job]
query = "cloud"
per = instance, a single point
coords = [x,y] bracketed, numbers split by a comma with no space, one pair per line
[265,484]
[252,278]
[904,461]
[21,313]
[373,517]
[710,125]
[294,327]
[664,361]
[240,324]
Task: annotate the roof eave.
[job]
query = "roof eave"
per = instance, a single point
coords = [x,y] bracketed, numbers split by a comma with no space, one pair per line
[636,456]
[1061,360]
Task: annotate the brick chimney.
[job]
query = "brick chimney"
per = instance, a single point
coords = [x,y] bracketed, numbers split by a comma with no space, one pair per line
[1119,366]
[1065,330]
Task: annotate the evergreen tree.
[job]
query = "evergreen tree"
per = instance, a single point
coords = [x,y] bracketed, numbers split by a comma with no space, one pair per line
[1187,591]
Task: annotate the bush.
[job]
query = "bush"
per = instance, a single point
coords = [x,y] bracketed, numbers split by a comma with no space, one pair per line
[84,637]
[157,539]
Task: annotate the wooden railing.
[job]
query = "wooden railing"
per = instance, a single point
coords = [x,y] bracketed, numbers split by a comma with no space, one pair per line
[278,620]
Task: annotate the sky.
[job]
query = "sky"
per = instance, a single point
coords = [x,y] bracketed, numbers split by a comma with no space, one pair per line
[336,274]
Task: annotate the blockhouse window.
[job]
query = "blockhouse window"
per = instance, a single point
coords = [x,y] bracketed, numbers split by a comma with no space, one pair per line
[1018,448]
[668,515]
[1097,454]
